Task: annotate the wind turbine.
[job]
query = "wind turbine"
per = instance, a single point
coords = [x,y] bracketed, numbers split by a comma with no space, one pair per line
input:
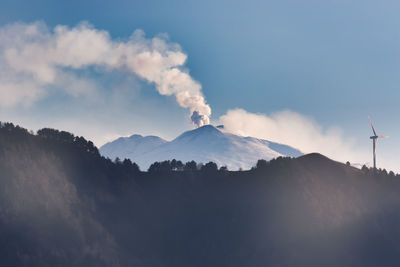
[374,139]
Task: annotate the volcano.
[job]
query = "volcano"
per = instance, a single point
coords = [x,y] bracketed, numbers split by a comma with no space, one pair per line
[204,144]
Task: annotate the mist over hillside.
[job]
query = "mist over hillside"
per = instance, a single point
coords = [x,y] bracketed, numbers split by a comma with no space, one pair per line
[63,204]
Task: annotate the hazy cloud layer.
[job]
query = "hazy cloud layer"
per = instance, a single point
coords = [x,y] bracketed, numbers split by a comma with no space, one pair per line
[294,129]
[35,59]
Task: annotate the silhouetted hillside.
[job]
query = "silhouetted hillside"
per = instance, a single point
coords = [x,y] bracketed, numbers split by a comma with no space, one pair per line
[62,204]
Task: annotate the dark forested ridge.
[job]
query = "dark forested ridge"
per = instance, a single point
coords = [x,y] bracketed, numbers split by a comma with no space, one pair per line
[62,204]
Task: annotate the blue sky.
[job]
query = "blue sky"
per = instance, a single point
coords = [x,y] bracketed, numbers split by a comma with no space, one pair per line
[335,62]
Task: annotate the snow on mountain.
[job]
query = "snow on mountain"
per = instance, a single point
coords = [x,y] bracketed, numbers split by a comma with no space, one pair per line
[131,147]
[202,145]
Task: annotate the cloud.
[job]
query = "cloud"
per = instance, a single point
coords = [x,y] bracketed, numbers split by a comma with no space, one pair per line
[294,129]
[34,59]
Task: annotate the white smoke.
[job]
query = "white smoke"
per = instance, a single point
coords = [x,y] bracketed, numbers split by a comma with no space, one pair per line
[296,130]
[34,58]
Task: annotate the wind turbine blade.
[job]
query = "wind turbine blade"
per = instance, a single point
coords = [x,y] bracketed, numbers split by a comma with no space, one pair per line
[372,126]
[383,136]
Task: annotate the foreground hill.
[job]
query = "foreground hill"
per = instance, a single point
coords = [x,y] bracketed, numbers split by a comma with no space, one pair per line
[62,204]
[202,145]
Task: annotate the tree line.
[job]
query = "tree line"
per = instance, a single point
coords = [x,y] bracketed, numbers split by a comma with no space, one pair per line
[57,139]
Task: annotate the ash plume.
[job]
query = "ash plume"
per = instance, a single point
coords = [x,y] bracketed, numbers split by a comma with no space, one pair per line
[33,58]
[199,119]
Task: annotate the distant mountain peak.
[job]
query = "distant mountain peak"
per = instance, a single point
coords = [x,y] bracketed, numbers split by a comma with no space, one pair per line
[134,136]
[206,128]
[203,144]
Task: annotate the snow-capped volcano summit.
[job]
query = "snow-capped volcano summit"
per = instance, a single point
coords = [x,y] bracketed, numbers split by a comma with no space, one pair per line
[204,144]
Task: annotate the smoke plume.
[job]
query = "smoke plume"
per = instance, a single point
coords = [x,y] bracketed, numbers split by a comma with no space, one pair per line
[199,119]
[34,58]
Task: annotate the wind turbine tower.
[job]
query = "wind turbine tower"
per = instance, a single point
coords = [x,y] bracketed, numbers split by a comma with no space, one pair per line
[374,139]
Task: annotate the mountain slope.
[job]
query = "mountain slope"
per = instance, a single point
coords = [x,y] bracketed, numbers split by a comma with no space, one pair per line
[62,204]
[131,147]
[202,145]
